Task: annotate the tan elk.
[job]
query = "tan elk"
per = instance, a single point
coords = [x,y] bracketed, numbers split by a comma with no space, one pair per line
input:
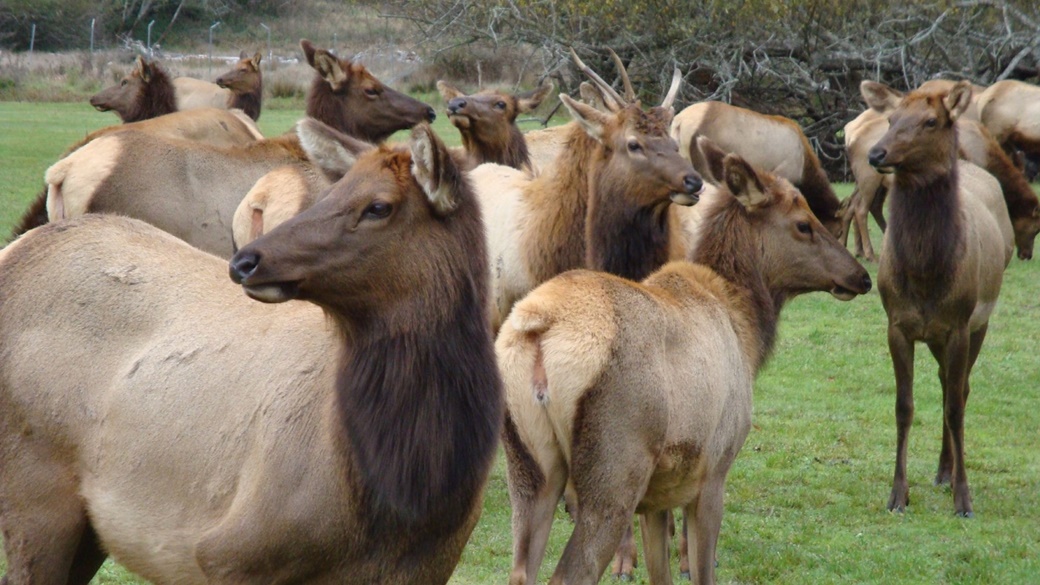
[487,122]
[189,189]
[948,242]
[1010,109]
[146,92]
[640,394]
[975,144]
[768,142]
[196,436]
[241,88]
[538,226]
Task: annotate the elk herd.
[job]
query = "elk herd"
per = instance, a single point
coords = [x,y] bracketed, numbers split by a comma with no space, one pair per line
[598,296]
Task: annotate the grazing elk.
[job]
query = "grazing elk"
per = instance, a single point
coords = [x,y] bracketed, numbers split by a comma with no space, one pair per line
[487,123]
[640,394]
[189,189]
[145,92]
[538,226]
[350,442]
[948,242]
[768,142]
[1010,110]
[975,144]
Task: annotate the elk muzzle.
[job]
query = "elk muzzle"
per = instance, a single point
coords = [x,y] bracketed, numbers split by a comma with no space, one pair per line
[693,186]
[876,157]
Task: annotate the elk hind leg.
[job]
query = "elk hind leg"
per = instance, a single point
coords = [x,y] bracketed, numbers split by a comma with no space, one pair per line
[955,365]
[705,519]
[626,557]
[654,526]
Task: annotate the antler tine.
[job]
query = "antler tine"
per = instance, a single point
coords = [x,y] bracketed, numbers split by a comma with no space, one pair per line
[673,91]
[603,85]
[630,93]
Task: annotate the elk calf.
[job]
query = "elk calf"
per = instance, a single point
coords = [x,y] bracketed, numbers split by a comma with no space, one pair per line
[947,244]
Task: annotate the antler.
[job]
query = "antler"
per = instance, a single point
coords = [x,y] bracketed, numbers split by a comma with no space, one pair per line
[673,91]
[630,94]
[604,87]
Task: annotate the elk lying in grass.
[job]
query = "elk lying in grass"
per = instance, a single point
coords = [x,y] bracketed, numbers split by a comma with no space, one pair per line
[538,227]
[948,242]
[640,393]
[193,450]
[145,92]
[975,144]
[768,142]
[487,123]
[189,189]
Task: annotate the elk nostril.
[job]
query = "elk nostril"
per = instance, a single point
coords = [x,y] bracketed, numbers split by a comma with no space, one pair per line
[866,283]
[431,115]
[876,156]
[692,184]
[242,266]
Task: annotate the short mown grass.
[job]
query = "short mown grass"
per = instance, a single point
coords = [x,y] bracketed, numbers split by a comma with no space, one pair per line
[806,497]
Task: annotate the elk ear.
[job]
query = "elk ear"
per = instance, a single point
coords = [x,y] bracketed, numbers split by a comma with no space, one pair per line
[591,95]
[242,55]
[448,92]
[435,170]
[329,149]
[743,181]
[592,120]
[530,100]
[308,51]
[958,100]
[328,66]
[713,156]
[256,60]
[879,96]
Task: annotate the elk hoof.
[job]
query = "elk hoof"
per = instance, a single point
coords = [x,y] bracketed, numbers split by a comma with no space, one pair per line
[685,575]
[943,478]
[626,577]
[968,514]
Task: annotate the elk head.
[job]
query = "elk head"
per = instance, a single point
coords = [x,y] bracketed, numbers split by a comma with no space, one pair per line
[245,75]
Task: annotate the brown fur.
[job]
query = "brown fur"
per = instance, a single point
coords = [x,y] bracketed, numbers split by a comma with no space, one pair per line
[947,244]
[349,98]
[145,92]
[193,193]
[1010,110]
[487,123]
[648,395]
[257,464]
[976,146]
[770,142]
[246,83]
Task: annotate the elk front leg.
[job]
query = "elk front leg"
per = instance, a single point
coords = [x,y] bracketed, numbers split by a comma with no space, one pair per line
[902,351]
[956,358]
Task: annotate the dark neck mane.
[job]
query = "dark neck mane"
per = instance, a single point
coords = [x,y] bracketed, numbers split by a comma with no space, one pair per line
[248,102]
[729,246]
[622,238]
[156,99]
[512,154]
[817,189]
[421,411]
[926,233]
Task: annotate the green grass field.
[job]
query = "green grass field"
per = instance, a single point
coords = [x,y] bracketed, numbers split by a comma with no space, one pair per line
[806,497]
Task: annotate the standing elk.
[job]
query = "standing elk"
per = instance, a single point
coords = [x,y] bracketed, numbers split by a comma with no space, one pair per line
[948,242]
[975,144]
[640,394]
[767,142]
[1011,111]
[145,92]
[188,189]
[487,123]
[537,226]
[350,442]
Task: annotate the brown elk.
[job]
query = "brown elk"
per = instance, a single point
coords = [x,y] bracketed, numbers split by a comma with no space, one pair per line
[346,96]
[1010,110]
[975,144]
[193,450]
[145,92]
[948,242]
[538,226]
[768,142]
[245,81]
[487,122]
[187,188]
[640,394]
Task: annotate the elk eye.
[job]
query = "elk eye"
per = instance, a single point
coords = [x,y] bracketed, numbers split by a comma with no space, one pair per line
[501,105]
[930,123]
[804,227]
[634,146]
[371,92]
[377,210]
[122,83]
